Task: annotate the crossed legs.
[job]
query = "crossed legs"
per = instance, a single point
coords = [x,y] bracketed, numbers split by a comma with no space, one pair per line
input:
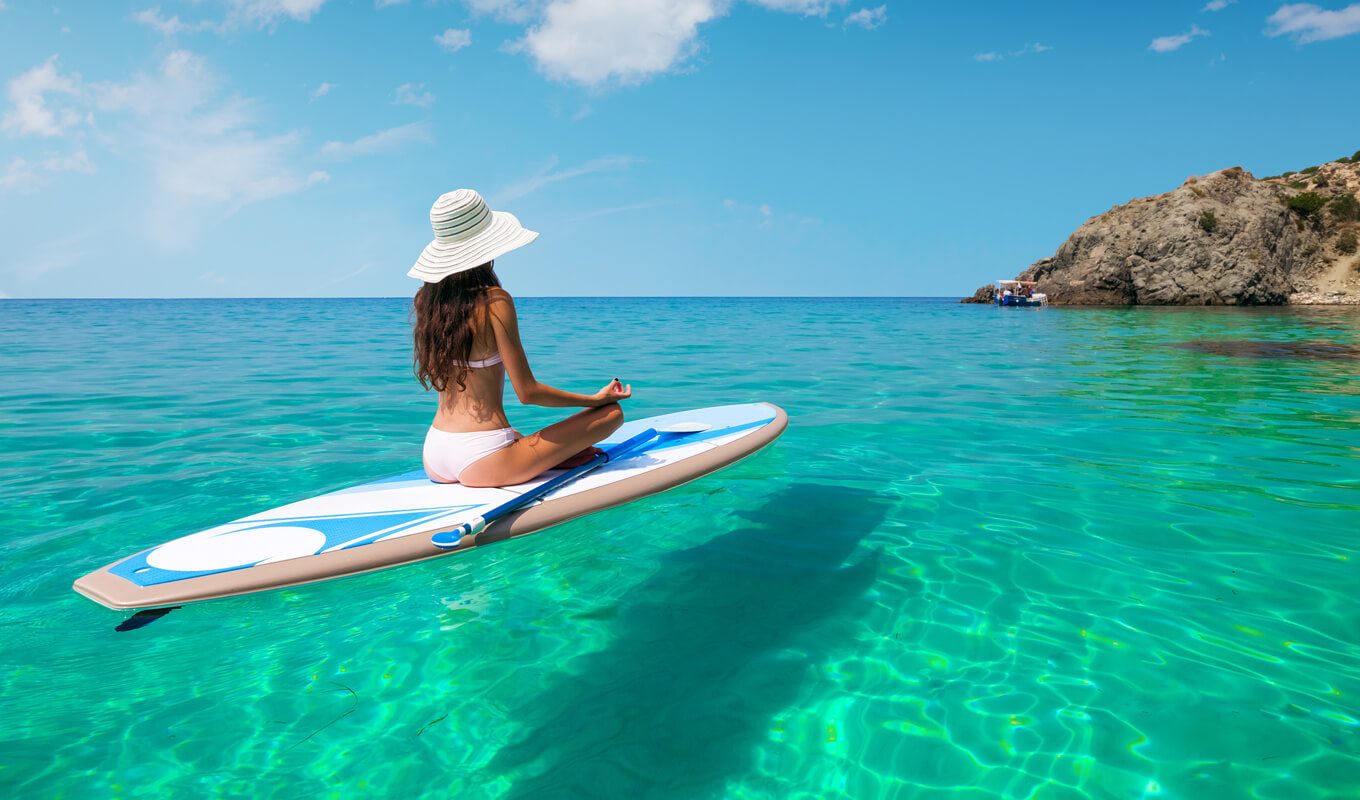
[559,444]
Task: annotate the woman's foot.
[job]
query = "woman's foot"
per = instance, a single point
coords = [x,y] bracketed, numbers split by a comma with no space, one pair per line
[580,458]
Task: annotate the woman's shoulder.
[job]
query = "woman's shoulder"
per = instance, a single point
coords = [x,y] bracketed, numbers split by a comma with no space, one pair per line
[498,296]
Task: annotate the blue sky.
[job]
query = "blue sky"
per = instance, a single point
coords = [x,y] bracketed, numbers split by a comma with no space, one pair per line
[661,147]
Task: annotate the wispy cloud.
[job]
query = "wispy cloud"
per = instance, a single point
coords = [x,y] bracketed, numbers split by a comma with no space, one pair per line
[356,273]
[809,8]
[604,212]
[63,254]
[23,176]
[1028,49]
[151,17]
[204,155]
[550,174]
[410,94]
[453,40]
[867,18]
[267,13]
[240,13]
[511,11]
[764,216]
[382,141]
[1305,23]
[1165,44]
[1218,5]
[324,89]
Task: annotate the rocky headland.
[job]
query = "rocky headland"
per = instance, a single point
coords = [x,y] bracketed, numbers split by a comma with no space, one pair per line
[1226,238]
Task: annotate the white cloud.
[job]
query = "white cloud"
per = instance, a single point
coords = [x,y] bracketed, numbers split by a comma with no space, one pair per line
[381,141]
[594,41]
[386,3]
[625,42]
[30,113]
[1218,5]
[323,90]
[546,176]
[1165,44]
[867,18]
[990,56]
[1305,22]
[406,96]
[454,39]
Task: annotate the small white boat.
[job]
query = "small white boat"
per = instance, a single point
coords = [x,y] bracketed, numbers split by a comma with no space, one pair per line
[1018,293]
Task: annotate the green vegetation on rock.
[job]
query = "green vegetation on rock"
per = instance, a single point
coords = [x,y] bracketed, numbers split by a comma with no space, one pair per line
[1308,170]
[1346,243]
[1345,208]
[1208,221]
[1305,203]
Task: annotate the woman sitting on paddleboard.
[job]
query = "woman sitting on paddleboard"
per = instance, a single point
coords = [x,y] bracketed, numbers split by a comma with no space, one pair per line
[467,341]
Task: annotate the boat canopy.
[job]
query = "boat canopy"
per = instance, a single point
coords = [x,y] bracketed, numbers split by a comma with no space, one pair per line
[1008,284]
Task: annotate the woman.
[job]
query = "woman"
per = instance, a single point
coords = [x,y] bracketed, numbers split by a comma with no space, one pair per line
[467,341]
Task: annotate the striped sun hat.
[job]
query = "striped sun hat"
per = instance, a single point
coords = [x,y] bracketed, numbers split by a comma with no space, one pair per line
[467,234]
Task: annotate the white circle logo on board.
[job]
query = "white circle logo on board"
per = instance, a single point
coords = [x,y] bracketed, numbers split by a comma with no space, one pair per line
[236,549]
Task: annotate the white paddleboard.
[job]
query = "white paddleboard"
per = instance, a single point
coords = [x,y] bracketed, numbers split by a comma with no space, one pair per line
[390,521]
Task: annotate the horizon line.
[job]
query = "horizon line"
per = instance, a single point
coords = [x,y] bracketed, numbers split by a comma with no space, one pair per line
[540,297]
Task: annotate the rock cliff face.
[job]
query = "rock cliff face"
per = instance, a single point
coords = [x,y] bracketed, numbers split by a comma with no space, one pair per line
[1221,239]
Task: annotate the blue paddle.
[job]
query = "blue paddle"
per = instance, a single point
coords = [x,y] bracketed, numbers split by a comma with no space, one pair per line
[448,540]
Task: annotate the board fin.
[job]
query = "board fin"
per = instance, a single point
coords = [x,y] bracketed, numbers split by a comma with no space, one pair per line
[144,617]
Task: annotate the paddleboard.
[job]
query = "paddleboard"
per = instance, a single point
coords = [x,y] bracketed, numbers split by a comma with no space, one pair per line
[389,522]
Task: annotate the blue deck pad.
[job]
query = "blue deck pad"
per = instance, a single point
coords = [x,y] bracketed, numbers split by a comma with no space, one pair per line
[335,532]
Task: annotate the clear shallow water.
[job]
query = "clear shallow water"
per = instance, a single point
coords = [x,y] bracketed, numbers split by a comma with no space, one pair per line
[1056,553]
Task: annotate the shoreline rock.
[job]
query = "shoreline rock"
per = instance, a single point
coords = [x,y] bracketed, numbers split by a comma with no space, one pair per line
[1226,238]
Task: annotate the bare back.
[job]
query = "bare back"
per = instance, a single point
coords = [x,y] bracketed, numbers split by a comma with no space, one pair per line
[479,407]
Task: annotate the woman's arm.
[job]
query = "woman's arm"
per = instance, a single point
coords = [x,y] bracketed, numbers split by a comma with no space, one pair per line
[505,325]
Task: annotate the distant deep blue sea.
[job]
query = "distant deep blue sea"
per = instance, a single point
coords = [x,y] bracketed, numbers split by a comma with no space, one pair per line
[1041,554]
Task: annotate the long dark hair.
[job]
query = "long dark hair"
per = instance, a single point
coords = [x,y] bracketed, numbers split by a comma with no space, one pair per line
[447,314]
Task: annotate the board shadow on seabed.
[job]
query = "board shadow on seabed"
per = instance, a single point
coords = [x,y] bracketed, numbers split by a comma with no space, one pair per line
[713,645]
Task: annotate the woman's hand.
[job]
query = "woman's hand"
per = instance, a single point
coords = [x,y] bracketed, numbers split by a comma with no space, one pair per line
[613,392]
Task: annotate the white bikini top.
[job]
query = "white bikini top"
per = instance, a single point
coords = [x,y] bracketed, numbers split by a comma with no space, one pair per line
[489,361]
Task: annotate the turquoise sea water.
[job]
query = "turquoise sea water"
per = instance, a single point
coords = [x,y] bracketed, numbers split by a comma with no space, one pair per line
[1057,553]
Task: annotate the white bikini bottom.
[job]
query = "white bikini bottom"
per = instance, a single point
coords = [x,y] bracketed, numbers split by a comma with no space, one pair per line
[448,453]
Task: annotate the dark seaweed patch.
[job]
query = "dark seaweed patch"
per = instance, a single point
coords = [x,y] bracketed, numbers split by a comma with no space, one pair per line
[1249,348]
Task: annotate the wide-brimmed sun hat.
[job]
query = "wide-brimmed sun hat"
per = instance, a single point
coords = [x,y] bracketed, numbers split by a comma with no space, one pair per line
[467,234]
